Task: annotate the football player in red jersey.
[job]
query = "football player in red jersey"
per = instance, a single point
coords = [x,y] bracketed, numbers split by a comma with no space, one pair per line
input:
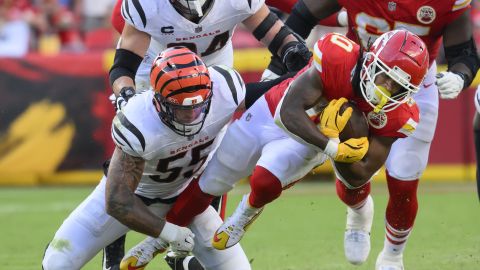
[276,139]
[432,21]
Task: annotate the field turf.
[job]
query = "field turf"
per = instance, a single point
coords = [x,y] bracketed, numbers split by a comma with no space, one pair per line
[301,230]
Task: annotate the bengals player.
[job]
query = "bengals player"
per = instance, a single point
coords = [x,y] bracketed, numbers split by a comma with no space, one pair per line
[432,21]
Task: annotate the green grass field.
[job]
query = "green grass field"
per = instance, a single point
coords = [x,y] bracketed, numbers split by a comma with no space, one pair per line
[301,230]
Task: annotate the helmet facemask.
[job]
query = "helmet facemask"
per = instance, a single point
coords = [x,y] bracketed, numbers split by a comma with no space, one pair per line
[400,56]
[184,119]
[378,96]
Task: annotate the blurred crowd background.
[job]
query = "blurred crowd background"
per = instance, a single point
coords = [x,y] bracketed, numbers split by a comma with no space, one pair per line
[50,49]
[78,26]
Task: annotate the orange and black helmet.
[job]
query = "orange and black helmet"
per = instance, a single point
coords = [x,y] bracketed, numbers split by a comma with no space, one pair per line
[183,90]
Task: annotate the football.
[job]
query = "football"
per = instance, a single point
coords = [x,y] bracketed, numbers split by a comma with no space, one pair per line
[356,126]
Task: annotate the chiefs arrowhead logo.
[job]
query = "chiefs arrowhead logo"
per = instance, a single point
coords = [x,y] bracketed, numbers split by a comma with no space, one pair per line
[377,120]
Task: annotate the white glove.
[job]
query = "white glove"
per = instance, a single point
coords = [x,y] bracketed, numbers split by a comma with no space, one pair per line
[179,238]
[449,84]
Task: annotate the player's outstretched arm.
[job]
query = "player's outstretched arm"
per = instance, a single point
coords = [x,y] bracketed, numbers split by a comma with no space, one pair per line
[359,173]
[129,54]
[281,41]
[124,174]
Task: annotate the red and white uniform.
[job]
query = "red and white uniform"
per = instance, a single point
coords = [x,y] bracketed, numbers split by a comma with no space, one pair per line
[335,57]
[259,141]
[427,19]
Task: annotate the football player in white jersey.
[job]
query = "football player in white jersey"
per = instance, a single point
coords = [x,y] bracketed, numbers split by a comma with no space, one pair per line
[163,139]
[203,26]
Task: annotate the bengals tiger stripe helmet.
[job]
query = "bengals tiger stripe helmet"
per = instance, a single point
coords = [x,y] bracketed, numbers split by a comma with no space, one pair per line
[183,90]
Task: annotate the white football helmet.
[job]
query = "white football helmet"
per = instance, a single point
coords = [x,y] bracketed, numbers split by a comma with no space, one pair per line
[403,57]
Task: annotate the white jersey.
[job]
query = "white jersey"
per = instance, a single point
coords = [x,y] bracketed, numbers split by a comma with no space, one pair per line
[173,160]
[210,38]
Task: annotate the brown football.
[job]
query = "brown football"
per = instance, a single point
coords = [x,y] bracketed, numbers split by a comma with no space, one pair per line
[357,126]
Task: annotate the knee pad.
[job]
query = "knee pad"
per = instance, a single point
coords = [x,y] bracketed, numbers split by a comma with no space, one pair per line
[215,186]
[57,260]
[408,160]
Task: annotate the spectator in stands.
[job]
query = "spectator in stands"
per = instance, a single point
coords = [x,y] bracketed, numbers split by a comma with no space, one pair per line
[64,23]
[15,31]
[96,14]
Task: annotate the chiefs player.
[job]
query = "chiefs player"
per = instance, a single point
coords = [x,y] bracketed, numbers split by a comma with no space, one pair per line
[432,21]
[278,141]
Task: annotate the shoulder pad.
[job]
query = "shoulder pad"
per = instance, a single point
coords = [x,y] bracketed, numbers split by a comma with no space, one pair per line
[127,136]
[226,77]
[138,12]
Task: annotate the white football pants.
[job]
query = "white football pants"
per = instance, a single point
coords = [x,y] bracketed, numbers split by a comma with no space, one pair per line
[88,229]
[408,157]
[252,140]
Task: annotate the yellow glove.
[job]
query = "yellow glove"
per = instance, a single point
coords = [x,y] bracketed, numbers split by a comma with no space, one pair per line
[332,121]
[349,151]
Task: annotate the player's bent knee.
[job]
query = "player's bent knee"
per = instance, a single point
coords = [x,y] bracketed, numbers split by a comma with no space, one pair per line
[57,260]
[215,187]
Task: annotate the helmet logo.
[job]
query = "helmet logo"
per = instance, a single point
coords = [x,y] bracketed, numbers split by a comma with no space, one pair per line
[426,14]
[192,100]
[377,120]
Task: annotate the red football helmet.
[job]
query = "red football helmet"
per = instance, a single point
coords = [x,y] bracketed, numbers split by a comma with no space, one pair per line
[402,56]
[183,90]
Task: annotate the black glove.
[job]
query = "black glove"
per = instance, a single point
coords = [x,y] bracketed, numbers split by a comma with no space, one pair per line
[125,94]
[295,55]
[276,66]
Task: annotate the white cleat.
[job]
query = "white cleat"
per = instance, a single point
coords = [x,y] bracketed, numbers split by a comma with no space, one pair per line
[389,262]
[357,235]
[140,255]
[233,229]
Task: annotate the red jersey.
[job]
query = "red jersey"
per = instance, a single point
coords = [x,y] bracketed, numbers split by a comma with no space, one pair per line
[335,57]
[425,18]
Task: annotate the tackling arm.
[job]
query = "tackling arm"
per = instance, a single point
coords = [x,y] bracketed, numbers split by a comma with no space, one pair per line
[132,46]
[281,41]
[124,174]
[358,173]
[304,92]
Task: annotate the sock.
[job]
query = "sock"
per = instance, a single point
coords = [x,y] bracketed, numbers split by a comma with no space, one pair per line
[353,198]
[400,215]
[265,187]
[191,202]
[476,138]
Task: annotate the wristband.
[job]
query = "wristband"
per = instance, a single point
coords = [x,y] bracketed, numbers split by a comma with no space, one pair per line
[169,232]
[331,149]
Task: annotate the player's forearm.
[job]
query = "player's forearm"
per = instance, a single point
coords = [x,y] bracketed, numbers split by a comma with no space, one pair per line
[298,125]
[123,177]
